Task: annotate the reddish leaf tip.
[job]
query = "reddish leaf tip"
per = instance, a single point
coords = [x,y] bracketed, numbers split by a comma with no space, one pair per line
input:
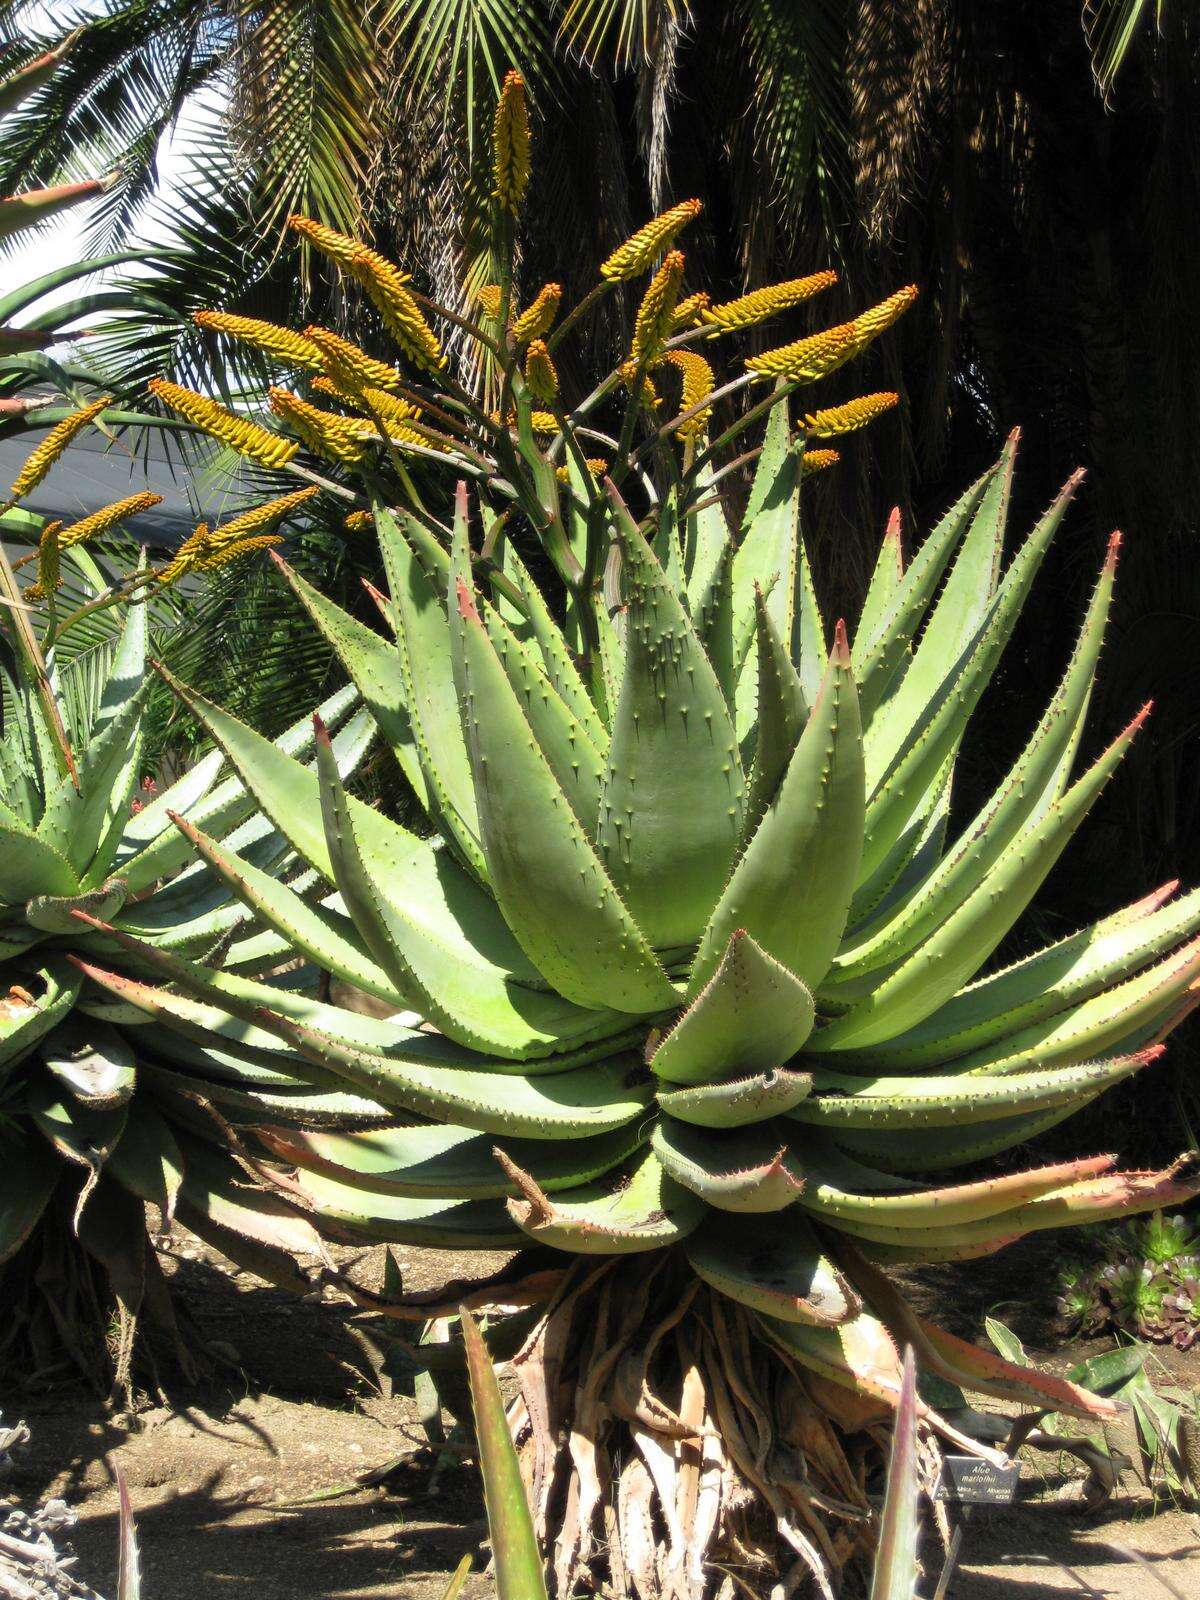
[841,643]
[320,730]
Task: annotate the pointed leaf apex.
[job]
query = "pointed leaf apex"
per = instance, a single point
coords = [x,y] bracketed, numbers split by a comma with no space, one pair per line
[1013,439]
[1115,539]
[93,922]
[1138,721]
[320,730]
[841,644]
[892,532]
[278,560]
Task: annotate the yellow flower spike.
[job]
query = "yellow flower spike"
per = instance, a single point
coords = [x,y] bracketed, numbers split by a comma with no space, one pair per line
[655,315]
[263,516]
[807,359]
[596,465]
[365,399]
[186,557]
[540,372]
[489,298]
[224,554]
[396,415]
[649,394]
[875,320]
[285,343]
[818,461]
[247,438]
[760,304]
[541,421]
[689,312]
[43,456]
[337,246]
[339,438]
[49,577]
[358,521]
[640,252]
[846,418]
[698,382]
[825,352]
[385,287]
[538,318]
[99,522]
[347,365]
[510,144]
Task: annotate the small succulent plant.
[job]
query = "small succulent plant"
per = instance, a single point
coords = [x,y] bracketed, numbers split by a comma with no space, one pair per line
[1142,1278]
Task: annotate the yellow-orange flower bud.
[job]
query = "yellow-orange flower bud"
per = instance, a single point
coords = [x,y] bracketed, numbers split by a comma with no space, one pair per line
[540,372]
[339,438]
[818,461]
[640,252]
[824,352]
[247,438]
[100,522]
[538,317]
[347,365]
[846,418]
[285,343]
[760,304]
[385,287]
[489,299]
[43,456]
[688,312]
[655,315]
[510,144]
[698,382]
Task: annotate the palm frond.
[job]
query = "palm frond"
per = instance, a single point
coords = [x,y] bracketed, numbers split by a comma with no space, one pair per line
[1110,28]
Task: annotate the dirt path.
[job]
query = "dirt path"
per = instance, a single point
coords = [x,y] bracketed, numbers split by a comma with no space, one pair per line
[294,1417]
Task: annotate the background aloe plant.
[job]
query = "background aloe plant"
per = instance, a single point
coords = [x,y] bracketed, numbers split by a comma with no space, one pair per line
[697,935]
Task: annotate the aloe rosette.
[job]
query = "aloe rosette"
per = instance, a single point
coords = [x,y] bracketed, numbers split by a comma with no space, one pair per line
[691,992]
[100,1110]
[699,977]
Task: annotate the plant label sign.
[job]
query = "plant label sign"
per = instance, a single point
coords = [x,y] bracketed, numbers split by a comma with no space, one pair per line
[966,1480]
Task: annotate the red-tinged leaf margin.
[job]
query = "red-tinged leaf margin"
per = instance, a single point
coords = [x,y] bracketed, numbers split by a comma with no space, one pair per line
[956,1360]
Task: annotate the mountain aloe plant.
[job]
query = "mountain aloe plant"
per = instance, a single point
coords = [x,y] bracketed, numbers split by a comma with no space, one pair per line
[692,985]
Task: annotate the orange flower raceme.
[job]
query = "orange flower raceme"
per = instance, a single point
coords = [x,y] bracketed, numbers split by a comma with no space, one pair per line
[760,304]
[846,418]
[510,144]
[285,343]
[824,352]
[640,252]
[538,317]
[247,438]
[655,316]
[347,365]
[43,456]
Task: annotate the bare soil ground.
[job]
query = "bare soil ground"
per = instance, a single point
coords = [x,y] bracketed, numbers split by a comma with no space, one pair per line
[290,1415]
